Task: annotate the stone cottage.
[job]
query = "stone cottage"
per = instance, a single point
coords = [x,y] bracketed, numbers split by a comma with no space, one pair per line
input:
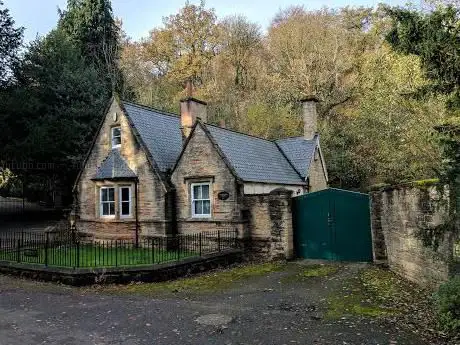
[153,173]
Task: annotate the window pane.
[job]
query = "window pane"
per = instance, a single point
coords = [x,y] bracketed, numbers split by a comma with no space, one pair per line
[205,191]
[198,207]
[125,194]
[105,209]
[111,194]
[196,192]
[104,194]
[116,136]
[111,208]
[206,207]
[125,208]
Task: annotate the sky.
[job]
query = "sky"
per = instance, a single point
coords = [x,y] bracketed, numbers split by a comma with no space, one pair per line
[38,17]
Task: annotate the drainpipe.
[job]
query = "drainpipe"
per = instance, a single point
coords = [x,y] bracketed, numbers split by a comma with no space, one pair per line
[137,213]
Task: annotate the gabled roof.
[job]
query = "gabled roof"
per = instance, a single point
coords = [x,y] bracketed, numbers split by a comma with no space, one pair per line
[254,159]
[114,167]
[251,158]
[299,151]
[160,132]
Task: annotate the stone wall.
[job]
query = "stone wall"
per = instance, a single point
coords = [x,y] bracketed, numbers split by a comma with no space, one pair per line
[123,275]
[270,225]
[151,192]
[201,162]
[263,221]
[405,220]
[316,175]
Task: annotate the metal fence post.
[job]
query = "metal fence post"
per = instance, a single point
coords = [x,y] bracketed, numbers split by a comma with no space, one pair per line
[18,250]
[116,253]
[78,253]
[178,247]
[153,251]
[218,240]
[199,241]
[47,243]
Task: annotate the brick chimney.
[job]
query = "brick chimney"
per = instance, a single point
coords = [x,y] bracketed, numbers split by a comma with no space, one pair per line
[310,117]
[190,110]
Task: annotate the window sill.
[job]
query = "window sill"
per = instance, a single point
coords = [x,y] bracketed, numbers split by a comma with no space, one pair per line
[115,220]
[203,219]
[107,217]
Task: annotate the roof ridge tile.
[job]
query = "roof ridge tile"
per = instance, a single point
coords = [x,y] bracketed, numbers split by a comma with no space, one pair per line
[162,112]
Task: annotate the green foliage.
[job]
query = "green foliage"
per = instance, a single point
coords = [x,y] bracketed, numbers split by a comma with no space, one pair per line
[387,135]
[91,27]
[240,41]
[10,185]
[422,184]
[311,271]
[434,37]
[10,42]
[426,183]
[449,140]
[375,125]
[366,295]
[448,304]
[96,256]
[211,282]
[5,177]
[273,122]
[186,44]
[62,84]
[53,110]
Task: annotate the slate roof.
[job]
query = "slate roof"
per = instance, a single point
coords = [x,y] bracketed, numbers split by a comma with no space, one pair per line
[113,167]
[160,132]
[299,152]
[254,159]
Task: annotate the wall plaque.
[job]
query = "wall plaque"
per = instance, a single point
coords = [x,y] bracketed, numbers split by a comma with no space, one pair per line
[223,195]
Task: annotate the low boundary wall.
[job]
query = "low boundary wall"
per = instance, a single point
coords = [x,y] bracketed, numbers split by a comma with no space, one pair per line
[123,275]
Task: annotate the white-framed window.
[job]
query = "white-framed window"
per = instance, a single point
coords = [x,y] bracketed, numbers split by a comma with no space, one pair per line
[107,202]
[125,201]
[116,137]
[201,199]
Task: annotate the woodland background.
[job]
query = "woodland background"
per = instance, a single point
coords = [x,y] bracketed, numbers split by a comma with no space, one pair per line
[385,77]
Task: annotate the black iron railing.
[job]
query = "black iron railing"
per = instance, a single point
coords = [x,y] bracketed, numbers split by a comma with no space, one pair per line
[56,249]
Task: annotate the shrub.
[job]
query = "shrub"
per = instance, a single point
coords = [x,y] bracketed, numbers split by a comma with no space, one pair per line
[448,304]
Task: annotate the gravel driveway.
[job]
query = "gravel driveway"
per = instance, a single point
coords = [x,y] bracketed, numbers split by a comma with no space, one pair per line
[271,308]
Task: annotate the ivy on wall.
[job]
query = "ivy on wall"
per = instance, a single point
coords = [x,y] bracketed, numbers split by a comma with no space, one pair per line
[449,139]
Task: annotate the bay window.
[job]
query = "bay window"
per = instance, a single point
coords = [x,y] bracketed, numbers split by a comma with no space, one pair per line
[107,202]
[125,202]
[115,201]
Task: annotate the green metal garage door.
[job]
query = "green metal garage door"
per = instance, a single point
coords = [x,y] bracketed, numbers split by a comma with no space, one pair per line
[333,224]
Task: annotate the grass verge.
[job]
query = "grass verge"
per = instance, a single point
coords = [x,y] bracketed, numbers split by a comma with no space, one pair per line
[369,294]
[311,271]
[209,282]
[94,256]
